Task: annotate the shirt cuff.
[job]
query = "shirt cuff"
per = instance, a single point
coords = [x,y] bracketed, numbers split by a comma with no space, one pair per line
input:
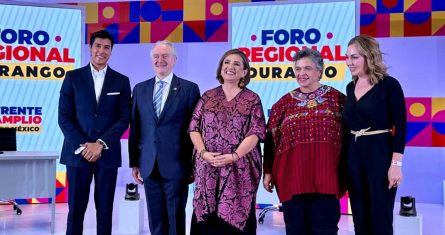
[102,143]
[79,150]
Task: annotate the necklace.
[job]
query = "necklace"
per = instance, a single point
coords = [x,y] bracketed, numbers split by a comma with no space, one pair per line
[311,99]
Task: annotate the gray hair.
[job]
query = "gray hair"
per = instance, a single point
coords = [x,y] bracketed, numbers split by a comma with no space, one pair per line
[314,55]
[164,42]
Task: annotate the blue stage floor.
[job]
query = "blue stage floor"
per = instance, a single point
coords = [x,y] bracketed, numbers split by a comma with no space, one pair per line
[35,220]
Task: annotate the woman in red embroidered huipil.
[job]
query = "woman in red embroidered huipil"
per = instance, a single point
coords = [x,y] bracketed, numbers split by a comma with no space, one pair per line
[303,149]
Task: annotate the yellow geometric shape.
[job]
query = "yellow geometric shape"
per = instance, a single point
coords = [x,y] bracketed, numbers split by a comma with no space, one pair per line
[176,35]
[371,2]
[34,200]
[216,8]
[437,105]
[61,177]
[54,71]
[108,12]
[92,12]
[396,24]
[330,67]
[408,4]
[349,207]
[194,10]
[145,29]
[437,21]
[417,109]
[282,72]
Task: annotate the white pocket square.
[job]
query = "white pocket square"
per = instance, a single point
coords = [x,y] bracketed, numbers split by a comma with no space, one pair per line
[113,93]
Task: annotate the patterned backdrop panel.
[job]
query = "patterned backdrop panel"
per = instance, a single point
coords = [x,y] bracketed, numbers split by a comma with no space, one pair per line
[61,191]
[207,20]
[426,122]
[402,18]
[151,21]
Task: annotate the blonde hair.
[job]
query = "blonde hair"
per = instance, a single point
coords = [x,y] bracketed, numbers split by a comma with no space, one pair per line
[369,48]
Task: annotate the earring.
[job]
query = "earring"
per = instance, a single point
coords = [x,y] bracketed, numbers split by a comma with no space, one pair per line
[241,83]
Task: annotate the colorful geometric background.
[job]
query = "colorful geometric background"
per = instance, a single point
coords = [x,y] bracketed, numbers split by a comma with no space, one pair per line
[402,18]
[61,192]
[207,20]
[151,21]
[426,122]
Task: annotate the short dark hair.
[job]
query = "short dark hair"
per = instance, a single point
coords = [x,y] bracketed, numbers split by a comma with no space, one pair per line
[104,34]
[246,79]
[314,55]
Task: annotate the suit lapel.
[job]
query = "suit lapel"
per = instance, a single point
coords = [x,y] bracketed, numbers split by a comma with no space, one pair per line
[173,92]
[90,83]
[147,96]
[108,81]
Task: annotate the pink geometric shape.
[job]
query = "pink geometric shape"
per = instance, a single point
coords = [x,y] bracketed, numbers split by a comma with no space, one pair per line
[383,25]
[440,32]
[367,9]
[344,205]
[224,13]
[423,138]
[220,35]
[426,102]
[420,6]
[125,29]
[42,200]
[439,116]
[161,30]
[114,18]
[126,134]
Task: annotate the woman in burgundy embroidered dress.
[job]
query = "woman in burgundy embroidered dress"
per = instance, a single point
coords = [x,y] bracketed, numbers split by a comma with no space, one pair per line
[226,126]
[303,150]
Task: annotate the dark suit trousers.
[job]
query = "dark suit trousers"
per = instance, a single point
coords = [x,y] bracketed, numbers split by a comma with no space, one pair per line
[166,201]
[312,214]
[79,181]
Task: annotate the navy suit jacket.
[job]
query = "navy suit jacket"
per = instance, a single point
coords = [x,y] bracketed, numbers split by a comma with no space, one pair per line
[164,140]
[82,119]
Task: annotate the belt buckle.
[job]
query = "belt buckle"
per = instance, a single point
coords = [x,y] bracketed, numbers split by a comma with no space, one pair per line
[360,133]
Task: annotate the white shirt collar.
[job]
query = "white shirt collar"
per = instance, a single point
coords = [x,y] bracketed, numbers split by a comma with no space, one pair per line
[101,72]
[168,79]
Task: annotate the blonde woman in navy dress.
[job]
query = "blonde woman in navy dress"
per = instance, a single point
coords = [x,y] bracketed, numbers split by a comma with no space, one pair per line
[376,115]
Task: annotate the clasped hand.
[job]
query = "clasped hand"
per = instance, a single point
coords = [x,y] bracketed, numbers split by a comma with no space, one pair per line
[217,159]
[92,151]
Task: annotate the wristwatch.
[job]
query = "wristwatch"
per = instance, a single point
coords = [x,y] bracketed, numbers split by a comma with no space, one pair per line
[101,142]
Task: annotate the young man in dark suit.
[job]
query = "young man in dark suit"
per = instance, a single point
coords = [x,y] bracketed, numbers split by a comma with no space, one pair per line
[159,146]
[94,112]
